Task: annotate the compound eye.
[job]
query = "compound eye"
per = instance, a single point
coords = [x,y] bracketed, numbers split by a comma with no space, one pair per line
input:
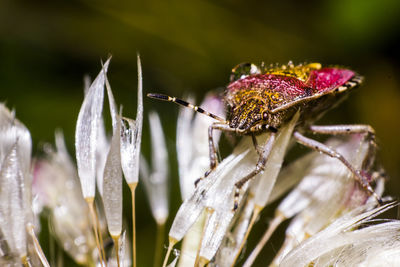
[265,115]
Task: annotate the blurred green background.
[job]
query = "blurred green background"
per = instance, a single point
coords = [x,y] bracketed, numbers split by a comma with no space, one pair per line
[190,46]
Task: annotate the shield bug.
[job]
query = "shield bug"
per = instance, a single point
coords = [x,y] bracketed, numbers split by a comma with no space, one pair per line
[260,99]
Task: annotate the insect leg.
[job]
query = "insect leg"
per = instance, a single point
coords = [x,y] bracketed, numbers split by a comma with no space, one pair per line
[313,144]
[345,129]
[367,130]
[262,160]
[256,146]
[222,127]
[213,153]
[258,128]
[211,146]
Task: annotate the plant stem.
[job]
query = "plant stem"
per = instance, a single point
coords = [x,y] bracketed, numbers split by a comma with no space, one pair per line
[116,245]
[276,221]
[90,202]
[133,186]
[172,242]
[38,248]
[100,236]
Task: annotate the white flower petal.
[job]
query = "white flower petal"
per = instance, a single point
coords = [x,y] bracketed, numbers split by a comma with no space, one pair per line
[103,145]
[10,130]
[56,185]
[221,196]
[156,183]
[129,151]
[375,245]
[233,239]
[192,143]
[139,112]
[327,180]
[159,150]
[112,185]
[267,179]
[216,192]
[12,212]
[86,135]
[112,104]
[131,136]
[102,149]
[335,235]
[123,259]
[327,191]
[184,149]
[191,208]
[291,175]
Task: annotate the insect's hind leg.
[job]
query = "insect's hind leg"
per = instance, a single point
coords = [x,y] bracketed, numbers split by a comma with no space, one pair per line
[345,129]
[313,144]
[366,130]
[262,160]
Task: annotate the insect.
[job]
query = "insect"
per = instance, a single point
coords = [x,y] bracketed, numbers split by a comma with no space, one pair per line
[260,98]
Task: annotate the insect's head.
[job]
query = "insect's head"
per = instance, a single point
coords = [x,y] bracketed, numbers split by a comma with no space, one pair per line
[247,116]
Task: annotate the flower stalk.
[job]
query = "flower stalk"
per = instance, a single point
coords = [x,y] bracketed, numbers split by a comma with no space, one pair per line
[38,248]
[132,187]
[171,244]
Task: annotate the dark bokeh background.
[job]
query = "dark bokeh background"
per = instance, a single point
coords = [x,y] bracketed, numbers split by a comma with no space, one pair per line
[190,46]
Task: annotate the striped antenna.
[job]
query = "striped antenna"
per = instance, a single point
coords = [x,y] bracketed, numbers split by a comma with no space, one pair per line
[185,104]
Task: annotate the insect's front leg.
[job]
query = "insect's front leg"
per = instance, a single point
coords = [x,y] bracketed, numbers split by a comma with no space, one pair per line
[211,146]
[313,144]
[262,160]
[255,144]
[213,153]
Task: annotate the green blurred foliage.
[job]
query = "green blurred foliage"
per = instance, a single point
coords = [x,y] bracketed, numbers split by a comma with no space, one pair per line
[190,46]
